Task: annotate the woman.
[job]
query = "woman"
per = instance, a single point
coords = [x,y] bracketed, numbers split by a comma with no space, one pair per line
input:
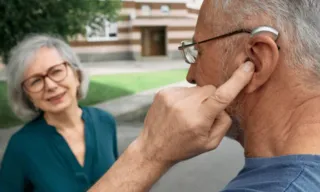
[63,147]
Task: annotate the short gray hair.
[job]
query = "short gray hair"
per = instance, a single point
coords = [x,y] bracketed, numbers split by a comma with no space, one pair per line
[19,60]
[297,20]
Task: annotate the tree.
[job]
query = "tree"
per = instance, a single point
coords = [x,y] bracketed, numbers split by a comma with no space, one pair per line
[66,18]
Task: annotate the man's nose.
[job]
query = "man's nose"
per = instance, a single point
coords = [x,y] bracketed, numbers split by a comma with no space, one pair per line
[49,84]
[191,74]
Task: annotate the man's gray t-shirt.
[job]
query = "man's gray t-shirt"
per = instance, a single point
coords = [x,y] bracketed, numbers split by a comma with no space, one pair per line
[293,173]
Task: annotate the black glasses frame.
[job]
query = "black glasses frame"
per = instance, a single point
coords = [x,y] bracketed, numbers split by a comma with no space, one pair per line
[214,38]
[249,31]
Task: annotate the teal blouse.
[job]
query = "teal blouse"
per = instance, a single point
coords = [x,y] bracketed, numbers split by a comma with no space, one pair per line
[39,159]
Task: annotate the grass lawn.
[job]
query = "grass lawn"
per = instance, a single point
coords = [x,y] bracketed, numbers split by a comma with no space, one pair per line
[104,88]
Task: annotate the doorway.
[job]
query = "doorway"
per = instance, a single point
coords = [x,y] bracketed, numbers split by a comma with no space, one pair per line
[153,41]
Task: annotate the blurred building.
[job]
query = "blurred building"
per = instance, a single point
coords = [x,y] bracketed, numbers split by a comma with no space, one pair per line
[147,28]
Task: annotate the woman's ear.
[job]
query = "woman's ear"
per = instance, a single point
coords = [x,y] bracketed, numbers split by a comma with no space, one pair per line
[78,76]
[27,96]
[263,51]
[28,99]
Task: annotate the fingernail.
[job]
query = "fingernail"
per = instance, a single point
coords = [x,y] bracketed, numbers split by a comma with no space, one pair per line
[248,66]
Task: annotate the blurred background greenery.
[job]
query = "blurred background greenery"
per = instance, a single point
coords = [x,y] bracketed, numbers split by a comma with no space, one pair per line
[67,18]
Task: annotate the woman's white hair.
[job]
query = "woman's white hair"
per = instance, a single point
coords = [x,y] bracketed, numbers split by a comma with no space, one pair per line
[20,58]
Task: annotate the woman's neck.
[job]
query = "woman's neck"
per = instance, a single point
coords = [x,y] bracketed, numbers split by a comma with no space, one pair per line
[70,118]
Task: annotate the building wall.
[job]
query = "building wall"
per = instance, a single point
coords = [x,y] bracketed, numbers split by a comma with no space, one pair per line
[179,24]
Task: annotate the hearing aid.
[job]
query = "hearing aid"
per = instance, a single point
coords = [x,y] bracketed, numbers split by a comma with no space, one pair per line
[267,29]
[264,29]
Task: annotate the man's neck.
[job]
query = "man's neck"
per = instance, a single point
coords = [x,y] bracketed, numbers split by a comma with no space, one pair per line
[68,119]
[282,121]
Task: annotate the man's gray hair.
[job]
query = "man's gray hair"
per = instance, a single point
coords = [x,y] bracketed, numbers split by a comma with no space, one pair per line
[21,57]
[297,20]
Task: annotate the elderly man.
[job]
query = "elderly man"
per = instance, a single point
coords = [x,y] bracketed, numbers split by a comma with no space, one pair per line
[278,110]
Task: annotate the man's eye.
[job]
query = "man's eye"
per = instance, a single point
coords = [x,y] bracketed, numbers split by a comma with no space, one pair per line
[197,49]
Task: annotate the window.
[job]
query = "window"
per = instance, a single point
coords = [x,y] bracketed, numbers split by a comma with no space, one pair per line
[104,31]
[146,10]
[165,9]
[113,29]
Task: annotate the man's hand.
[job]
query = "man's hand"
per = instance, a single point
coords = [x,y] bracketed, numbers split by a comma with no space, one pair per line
[181,123]
[185,122]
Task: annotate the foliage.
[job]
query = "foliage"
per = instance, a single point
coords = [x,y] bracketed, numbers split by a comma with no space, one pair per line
[66,18]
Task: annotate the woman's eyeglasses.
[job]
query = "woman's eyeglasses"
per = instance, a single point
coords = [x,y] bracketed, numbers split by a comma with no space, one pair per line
[36,83]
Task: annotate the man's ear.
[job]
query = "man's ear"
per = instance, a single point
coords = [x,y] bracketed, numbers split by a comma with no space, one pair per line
[263,51]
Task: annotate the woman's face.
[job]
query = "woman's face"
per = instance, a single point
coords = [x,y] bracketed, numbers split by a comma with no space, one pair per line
[50,82]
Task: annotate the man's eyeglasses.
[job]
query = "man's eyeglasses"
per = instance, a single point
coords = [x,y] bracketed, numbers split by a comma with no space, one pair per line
[36,83]
[190,53]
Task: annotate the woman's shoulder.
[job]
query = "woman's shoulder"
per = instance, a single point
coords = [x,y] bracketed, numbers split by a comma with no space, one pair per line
[99,115]
[31,128]
[21,138]
[24,140]
[101,120]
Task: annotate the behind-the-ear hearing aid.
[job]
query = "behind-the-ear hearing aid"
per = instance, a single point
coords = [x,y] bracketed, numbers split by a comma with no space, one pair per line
[267,29]
[264,29]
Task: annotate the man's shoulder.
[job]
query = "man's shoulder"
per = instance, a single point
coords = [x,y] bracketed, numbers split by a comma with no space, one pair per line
[307,180]
[299,175]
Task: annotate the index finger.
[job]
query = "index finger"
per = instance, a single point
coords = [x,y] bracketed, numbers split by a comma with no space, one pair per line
[227,92]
